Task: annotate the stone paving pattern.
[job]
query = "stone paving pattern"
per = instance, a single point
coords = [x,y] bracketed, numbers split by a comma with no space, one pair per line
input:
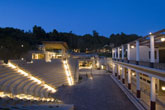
[101,93]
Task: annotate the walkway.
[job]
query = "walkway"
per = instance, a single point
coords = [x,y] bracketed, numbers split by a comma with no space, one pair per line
[101,93]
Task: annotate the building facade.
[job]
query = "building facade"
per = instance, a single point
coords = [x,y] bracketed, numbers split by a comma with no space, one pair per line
[140,65]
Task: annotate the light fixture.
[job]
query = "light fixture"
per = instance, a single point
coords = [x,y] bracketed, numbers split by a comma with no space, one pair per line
[68,73]
[163,88]
[120,49]
[132,46]
[102,67]
[150,33]
[162,39]
[133,74]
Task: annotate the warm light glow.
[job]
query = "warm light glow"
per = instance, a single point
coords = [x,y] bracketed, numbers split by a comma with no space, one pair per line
[133,74]
[25,96]
[120,68]
[35,80]
[91,77]
[38,81]
[68,73]
[102,66]
[22,72]
[132,46]
[11,65]
[162,39]
[163,88]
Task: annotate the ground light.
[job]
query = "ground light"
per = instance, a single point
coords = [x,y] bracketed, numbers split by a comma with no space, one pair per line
[68,73]
[24,96]
[28,75]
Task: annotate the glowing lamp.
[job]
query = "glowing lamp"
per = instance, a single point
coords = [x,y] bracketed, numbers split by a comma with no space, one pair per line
[163,88]
[133,74]
[150,33]
[132,46]
[162,39]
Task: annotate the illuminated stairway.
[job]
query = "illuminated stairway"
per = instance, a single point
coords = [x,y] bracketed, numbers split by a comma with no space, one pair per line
[52,73]
[15,81]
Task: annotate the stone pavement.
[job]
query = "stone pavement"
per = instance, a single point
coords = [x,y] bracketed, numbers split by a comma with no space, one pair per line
[101,93]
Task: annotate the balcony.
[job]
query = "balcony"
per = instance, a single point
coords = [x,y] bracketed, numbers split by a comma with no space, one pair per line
[160,66]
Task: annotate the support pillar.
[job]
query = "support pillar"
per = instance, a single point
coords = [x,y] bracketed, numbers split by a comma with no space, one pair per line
[118,53]
[128,52]
[115,54]
[129,79]
[47,57]
[112,53]
[137,52]
[122,53]
[138,85]
[152,51]
[123,75]
[153,95]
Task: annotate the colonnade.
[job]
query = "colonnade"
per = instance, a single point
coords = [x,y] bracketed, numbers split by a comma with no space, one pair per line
[119,52]
[119,71]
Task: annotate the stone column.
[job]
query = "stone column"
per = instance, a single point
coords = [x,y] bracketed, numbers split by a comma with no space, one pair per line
[152,51]
[112,53]
[115,54]
[129,79]
[128,52]
[152,93]
[118,53]
[122,53]
[123,75]
[137,52]
[47,58]
[138,84]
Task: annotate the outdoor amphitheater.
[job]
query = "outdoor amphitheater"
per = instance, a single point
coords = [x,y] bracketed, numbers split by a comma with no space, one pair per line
[26,85]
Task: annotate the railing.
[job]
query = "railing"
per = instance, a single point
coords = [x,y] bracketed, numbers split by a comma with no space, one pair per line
[132,62]
[160,66]
[142,63]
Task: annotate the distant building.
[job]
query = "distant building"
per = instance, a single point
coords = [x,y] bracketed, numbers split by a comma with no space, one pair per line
[51,50]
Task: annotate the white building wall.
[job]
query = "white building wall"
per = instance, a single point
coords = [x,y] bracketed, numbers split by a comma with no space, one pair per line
[144,53]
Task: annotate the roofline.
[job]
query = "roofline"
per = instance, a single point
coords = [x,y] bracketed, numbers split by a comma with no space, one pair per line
[155,33]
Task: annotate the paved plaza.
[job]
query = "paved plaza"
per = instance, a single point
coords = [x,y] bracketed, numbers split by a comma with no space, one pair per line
[101,93]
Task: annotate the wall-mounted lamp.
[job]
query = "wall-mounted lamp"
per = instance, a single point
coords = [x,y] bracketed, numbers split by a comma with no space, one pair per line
[162,39]
[163,88]
[132,46]
[133,74]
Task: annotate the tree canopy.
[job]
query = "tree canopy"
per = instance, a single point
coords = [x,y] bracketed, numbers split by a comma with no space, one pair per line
[15,42]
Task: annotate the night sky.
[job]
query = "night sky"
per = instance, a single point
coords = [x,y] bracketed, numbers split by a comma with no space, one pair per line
[83,16]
